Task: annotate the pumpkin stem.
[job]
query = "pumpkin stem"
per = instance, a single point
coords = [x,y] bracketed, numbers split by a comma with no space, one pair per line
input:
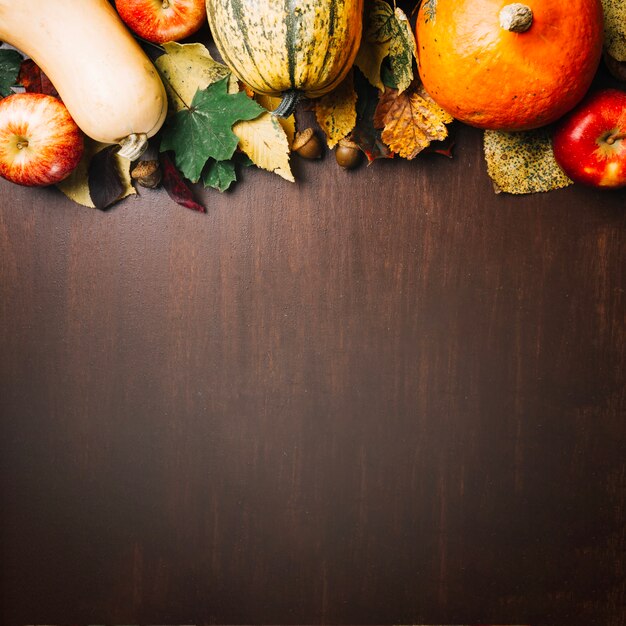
[516,17]
[133,146]
[288,103]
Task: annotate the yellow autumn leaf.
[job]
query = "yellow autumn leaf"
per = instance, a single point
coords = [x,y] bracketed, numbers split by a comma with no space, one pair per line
[615,28]
[76,186]
[265,142]
[522,162]
[411,120]
[185,68]
[288,123]
[387,32]
[336,111]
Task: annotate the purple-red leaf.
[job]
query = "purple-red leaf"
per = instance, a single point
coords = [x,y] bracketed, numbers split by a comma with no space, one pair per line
[176,186]
[34,80]
[444,147]
[105,183]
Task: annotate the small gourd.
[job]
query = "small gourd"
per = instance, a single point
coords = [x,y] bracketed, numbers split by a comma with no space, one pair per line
[287,48]
[104,78]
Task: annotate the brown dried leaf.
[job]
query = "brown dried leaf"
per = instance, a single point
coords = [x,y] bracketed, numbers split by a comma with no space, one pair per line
[411,120]
[336,111]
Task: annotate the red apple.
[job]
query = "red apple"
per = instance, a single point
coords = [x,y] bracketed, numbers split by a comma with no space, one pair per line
[40,144]
[162,20]
[590,142]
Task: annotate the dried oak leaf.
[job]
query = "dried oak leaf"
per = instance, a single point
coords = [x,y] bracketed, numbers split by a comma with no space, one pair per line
[336,112]
[411,120]
[615,28]
[522,162]
[34,80]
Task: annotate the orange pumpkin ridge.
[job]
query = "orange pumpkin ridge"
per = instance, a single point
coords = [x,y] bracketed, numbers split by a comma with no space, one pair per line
[478,68]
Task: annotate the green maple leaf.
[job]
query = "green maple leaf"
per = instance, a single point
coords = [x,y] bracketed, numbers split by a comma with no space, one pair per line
[219,174]
[204,130]
[10,62]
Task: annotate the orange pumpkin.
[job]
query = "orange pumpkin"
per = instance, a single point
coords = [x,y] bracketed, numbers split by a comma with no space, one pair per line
[498,65]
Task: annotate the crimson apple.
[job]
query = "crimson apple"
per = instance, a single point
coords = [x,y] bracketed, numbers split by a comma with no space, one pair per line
[590,142]
[40,144]
[162,20]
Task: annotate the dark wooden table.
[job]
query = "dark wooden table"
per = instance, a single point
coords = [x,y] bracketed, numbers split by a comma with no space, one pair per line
[386,396]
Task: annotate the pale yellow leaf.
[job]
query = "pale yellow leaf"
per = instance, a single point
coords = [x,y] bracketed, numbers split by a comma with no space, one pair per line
[336,111]
[522,162]
[288,123]
[185,68]
[615,28]
[76,186]
[265,142]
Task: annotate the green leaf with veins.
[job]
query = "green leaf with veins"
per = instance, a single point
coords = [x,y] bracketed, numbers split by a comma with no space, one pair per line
[10,62]
[219,174]
[402,51]
[204,131]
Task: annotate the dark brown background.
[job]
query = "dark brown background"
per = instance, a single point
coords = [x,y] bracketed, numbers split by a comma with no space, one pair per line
[387,396]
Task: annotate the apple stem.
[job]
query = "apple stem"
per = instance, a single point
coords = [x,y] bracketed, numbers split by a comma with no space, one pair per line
[23,143]
[611,139]
[166,4]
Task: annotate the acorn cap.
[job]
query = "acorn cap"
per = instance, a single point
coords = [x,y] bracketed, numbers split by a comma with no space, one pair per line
[302,137]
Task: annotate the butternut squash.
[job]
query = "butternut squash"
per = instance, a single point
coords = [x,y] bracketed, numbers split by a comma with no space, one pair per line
[104,78]
[287,47]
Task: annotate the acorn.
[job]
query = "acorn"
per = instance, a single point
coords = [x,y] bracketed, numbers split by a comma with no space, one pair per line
[307,144]
[147,174]
[348,154]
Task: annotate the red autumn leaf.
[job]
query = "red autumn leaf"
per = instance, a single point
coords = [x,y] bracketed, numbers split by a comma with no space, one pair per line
[444,147]
[177,187]
[34,80]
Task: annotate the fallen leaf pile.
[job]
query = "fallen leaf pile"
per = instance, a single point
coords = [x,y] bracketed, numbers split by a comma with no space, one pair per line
[216,126]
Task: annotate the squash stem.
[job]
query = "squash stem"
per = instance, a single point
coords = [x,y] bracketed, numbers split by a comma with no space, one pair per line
[288,103]
[133,146]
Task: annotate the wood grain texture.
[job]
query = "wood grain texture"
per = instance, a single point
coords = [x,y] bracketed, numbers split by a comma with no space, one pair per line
[386,396]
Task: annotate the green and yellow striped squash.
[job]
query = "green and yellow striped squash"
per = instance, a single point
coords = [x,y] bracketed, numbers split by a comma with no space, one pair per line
[287,47]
